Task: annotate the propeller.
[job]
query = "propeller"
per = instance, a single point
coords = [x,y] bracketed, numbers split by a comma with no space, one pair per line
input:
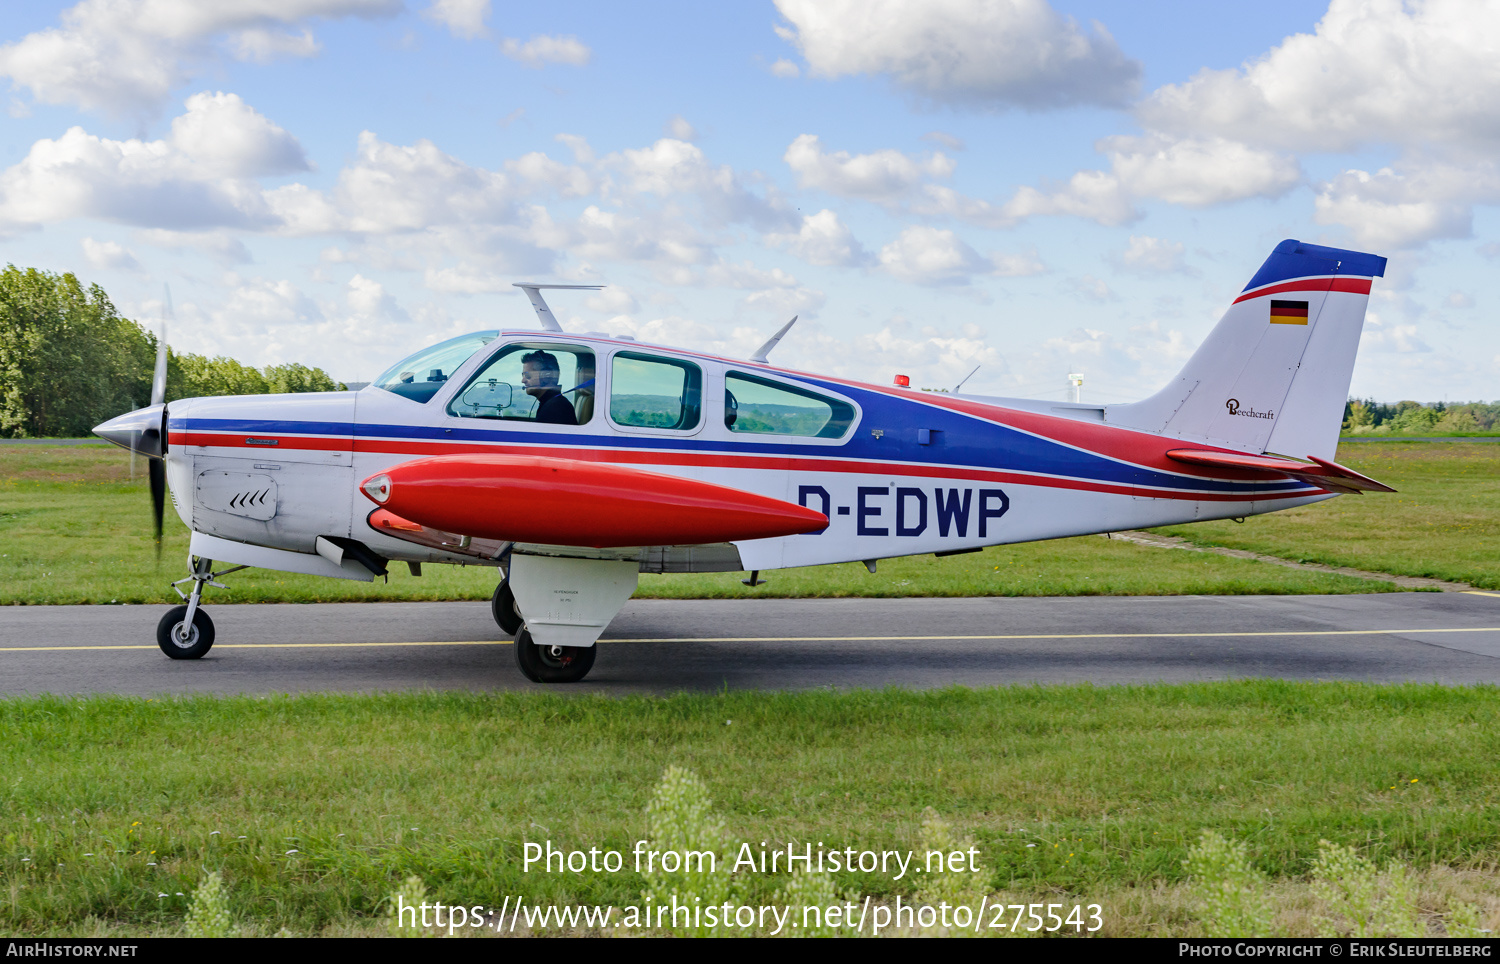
[157,468]
[144,431]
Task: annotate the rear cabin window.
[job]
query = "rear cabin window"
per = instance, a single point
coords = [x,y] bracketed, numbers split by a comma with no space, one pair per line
[759,406]
[648,391]
[550,384]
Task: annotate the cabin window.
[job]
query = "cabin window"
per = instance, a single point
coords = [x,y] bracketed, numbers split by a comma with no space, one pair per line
[545,383]
[647,391]
[420,376]
[759,406]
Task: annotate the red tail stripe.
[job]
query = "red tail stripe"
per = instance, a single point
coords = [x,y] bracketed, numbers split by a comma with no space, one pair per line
[1358,286]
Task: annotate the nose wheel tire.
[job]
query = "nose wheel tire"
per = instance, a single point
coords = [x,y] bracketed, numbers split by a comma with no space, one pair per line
[552,664]
[181,641]
[503,608]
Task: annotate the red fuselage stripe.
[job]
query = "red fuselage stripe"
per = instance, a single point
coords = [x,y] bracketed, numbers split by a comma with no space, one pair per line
[763,463]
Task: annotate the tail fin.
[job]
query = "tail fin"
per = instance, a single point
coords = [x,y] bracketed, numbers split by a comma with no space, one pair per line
[1273,375]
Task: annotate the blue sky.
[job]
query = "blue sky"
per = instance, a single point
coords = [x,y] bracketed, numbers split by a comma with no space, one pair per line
[930,186]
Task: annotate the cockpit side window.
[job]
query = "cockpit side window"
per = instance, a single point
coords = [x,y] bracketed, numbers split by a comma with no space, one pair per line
[759,406]
[422,375]
[545,383]
[649,391]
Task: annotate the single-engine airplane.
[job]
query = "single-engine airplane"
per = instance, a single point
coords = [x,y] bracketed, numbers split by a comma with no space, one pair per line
[573,462]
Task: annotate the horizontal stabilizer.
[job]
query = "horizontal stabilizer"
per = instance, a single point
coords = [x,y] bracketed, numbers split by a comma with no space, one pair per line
[571,502]
[1322,473]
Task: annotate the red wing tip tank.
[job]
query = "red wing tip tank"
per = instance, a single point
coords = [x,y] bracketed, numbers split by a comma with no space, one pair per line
[529,498]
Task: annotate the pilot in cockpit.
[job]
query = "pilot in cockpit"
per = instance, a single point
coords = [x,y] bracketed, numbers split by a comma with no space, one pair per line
[539,374]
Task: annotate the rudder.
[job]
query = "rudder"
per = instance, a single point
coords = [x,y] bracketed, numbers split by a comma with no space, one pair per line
[1273,375]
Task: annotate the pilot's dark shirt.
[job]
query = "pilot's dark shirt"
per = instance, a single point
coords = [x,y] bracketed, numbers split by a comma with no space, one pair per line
[553,406]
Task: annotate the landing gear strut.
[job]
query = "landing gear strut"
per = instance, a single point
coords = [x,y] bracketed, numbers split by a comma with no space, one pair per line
[186,632]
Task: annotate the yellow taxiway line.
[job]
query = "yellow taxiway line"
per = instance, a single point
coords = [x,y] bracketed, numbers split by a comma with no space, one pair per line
[810,639]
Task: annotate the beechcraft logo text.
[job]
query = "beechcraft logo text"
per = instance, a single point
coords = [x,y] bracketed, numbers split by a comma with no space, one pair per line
[1246,412]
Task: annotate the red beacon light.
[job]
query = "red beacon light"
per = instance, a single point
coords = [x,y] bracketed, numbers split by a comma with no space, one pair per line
[903,381]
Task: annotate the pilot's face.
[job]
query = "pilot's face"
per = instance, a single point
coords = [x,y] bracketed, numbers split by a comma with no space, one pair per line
[536,380]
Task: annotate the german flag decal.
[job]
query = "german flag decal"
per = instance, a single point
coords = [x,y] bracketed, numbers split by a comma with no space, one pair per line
[1288,312]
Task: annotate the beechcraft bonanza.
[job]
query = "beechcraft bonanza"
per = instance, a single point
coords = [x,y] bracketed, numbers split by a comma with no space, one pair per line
[574,462]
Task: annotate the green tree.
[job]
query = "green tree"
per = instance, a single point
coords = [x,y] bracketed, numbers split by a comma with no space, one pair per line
[293,377]
[68,361]
[1415,420]
[220,376]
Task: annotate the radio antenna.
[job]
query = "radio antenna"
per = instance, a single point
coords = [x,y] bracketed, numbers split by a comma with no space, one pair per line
[533,292]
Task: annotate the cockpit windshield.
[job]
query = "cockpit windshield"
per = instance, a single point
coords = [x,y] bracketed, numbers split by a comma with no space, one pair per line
[420,376]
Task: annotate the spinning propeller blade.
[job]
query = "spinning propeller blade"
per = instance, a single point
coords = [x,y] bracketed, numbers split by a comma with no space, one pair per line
[157,468]
[159,377]
[157,471]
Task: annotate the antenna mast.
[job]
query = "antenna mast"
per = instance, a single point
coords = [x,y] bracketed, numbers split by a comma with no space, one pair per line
[534,293]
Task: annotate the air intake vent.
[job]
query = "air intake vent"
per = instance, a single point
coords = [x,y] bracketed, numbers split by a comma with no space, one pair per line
[238,493]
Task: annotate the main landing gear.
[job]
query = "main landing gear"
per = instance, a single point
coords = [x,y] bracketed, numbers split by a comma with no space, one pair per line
[540,664]
[503,608]
[186,632]
[552,664]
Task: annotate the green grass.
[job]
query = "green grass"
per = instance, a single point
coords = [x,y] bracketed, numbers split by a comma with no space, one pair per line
[75,529]
[1413,436]
[1443,523]
[1111,785]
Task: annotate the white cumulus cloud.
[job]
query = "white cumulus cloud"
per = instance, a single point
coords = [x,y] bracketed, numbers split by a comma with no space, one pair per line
[934,256]
[198,177]
[1373,71]
[1147,254]
[465,18]
[1391,209]
[822,240]
[127,56]
[882,176]
[225,137]
[106,255]
[930,256]
[976,53]
[1191,172]
[542,50]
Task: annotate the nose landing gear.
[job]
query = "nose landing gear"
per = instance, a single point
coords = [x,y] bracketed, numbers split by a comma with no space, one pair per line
[186,632]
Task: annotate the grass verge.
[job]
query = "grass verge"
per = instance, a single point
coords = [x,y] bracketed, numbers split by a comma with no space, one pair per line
[1444,522]
[314,809]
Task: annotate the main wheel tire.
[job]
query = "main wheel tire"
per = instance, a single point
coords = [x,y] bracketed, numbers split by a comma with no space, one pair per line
[200,636]
[503,608]
[552,664]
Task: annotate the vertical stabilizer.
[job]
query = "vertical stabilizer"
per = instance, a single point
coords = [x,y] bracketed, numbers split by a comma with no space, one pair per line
[1273,375]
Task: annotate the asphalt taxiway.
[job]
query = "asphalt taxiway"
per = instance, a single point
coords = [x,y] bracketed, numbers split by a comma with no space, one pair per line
[662,646]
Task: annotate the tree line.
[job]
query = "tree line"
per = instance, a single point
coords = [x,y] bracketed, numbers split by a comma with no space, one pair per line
[1369,417]
[69,361]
